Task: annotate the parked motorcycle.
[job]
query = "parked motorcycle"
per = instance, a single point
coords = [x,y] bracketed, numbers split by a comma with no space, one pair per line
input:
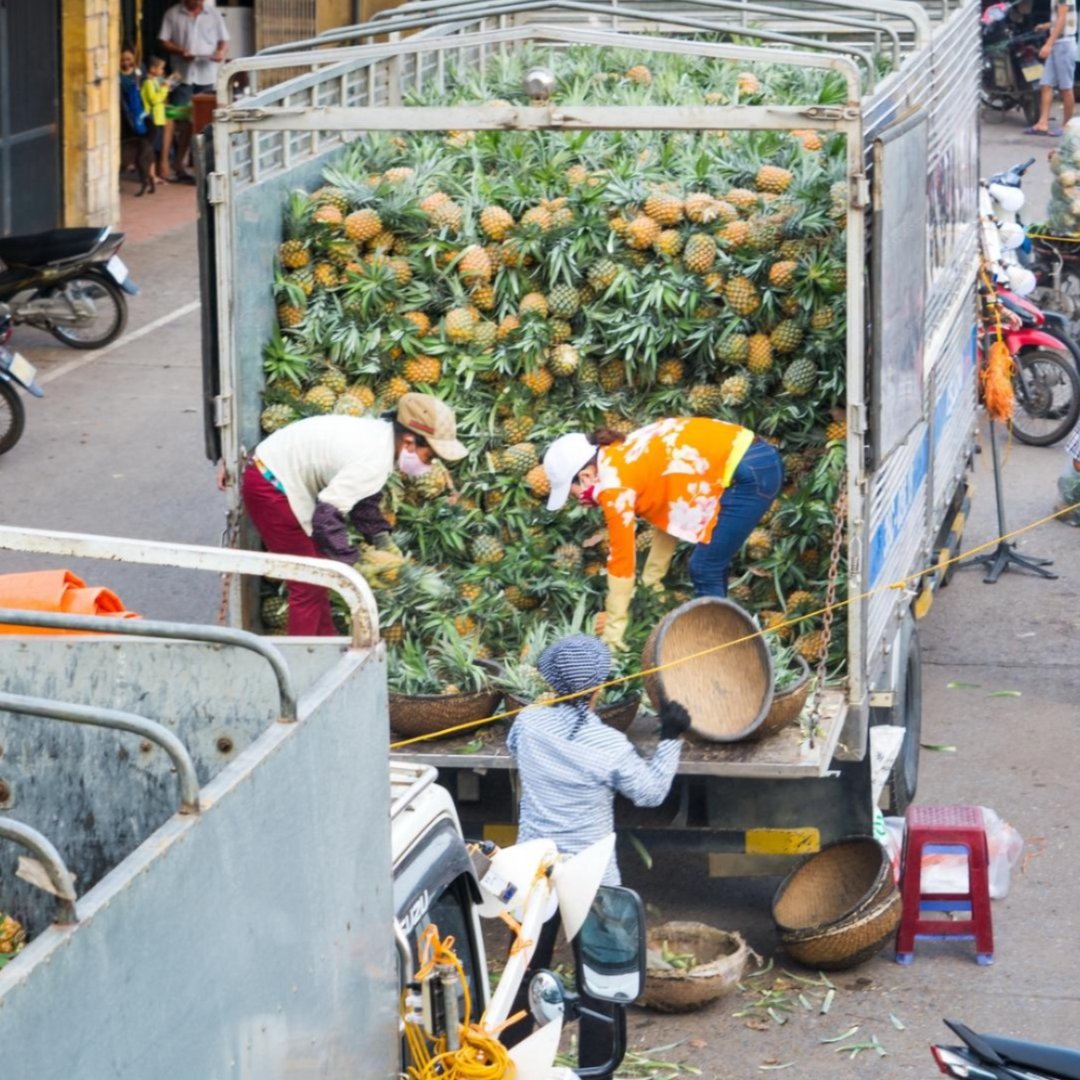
[991,1057]
[15,370]
[70,282]
[1011,65]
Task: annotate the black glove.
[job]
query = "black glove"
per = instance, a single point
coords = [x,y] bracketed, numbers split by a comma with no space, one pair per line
[674,719]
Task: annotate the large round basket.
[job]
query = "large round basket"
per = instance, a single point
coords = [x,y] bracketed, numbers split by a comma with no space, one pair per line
[722,959]
[427,714]
[787,704]
[854,939]
[619,715]
[727,692]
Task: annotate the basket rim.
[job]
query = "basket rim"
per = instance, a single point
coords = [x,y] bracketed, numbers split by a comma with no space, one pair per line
[862,918]
[798,684]
[757,642]
[490,691]
[884,868]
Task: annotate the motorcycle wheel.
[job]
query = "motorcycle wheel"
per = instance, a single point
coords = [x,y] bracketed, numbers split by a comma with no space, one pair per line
[1066,300]
[1030,104]
[1047,394]
[109,320]
[12,417]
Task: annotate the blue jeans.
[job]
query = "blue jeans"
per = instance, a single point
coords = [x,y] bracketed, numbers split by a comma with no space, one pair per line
[755,483]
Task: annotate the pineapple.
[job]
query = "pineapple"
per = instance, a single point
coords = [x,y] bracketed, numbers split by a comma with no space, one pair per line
[743,199]
[284,387]
[704,399]
[327,215]
[537,382]
[774,622]
[838,200]
[293,253]
[487,549]
[642,232]
[399,174]
[773,179]
[748,84]
[331,196]
[347,405]
[507,326]
[538,216]
[538,482]
[517,598]
[725,212]
[764,234]
[392,391]
[363,225]
[385,242]
[612,375]
[447,215]
[664,208]
[742,295]
[485,334]
[668,243]
[800,377]
[733,349]
[759,359]
[333,378]
[364,394]
[289,314]
[325,275]
[836,431]
[475,266]
[519,459]
[563,360]
[422,370]
[800,602]
[483,296]
[734,236]
[534,303]
[515,429]
[782,274]
[568,556]
[759,544]
[275,613]
[320,398]
[714,283]
[700,207]
[431,484]
[419,320]
[577,175]
[699,253]
[602,274]
[560,331]
[811,646]
[459,325]
[822,318]
[277,416]
[563,301]
[787,336]
[735,390]
[302,279]
[640,74]
[670,372]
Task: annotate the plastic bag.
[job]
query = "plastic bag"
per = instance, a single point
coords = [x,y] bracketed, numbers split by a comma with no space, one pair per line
[1069,490]
[947,873]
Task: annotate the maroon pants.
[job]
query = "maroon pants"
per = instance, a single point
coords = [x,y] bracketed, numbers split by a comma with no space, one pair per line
[269,510]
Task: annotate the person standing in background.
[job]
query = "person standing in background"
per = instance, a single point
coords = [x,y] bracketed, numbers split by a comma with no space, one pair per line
[1058,55]
[196,40]
[155,93]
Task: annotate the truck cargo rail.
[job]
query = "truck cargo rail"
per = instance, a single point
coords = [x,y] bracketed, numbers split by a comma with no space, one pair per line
[60,878]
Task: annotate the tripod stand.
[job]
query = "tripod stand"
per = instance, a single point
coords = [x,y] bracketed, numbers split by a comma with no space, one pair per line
[1004,555]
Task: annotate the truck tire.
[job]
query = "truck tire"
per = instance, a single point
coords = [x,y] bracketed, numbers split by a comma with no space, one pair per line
[906,713]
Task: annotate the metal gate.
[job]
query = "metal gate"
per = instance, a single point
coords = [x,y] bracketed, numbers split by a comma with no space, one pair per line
[30,191]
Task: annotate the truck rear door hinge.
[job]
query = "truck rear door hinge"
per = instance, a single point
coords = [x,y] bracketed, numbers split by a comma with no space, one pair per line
[831,112]
[860,192]
[223,411]
[215,188]
[857,417]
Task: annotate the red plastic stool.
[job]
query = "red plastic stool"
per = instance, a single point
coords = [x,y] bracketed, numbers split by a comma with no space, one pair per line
[950,829]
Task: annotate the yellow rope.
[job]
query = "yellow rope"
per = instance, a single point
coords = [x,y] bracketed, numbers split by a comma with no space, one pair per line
[900,584]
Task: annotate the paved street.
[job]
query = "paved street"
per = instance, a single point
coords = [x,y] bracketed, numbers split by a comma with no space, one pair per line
[116,448]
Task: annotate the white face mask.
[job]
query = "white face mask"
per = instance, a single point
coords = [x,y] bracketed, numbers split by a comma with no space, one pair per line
[410,464]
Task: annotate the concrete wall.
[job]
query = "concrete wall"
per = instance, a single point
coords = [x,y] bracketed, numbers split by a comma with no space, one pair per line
[90,50]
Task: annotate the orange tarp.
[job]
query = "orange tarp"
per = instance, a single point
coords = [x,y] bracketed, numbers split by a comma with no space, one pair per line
[58,591]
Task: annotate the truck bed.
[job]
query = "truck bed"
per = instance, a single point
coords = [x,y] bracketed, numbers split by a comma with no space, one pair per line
[781,756]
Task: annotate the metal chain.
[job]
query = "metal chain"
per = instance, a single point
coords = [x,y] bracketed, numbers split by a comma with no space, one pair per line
[229,537]
[840,513]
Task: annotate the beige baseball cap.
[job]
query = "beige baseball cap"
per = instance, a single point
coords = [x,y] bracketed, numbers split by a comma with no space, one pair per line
[434,419]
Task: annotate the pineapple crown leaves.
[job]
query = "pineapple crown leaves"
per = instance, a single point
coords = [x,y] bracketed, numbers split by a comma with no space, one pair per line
[283,359]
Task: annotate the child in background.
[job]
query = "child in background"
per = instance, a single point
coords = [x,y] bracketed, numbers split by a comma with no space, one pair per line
[155,93]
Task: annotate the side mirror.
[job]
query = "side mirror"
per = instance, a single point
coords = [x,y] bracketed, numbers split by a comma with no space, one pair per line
[611,946]
[547,997]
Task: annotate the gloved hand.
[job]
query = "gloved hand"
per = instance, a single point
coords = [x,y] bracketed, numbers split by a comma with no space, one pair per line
[674,719]
[385,542]
[661,553]
[617,612]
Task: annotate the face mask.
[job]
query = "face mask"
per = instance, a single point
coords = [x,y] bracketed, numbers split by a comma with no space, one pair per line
[587,496]
[410,464]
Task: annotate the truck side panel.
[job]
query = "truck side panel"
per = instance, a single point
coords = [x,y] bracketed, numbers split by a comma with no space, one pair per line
[238,943]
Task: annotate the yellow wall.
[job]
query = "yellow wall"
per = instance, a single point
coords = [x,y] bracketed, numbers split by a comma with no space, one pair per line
[90,46]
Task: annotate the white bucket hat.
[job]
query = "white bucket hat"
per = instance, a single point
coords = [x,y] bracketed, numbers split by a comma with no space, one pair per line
[565,458]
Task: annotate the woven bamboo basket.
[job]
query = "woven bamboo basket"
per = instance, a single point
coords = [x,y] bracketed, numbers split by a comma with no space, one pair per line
[853,940]
[722,960]
[727,692]
[787,705]
[619,715]
[427,714]
[830,886]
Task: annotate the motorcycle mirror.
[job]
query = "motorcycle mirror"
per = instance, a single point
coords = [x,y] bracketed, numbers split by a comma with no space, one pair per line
[611,946]
[547,997]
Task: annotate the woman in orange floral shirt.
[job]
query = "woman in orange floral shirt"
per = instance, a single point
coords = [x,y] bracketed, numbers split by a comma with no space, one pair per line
[703,481]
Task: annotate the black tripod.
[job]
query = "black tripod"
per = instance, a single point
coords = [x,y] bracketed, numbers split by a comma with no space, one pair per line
[1004,555]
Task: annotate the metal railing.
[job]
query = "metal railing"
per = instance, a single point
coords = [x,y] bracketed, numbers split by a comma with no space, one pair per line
[60,878]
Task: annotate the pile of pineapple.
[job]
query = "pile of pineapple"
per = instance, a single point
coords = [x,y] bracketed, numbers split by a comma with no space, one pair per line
[550,281]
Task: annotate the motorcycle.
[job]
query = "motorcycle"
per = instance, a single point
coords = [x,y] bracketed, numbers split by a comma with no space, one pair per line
[69,282]
[1011,65]
[991,1057]
[15,370]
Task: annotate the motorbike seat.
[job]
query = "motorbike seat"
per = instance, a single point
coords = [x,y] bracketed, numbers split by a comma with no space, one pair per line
[56,245]
[1055,1060]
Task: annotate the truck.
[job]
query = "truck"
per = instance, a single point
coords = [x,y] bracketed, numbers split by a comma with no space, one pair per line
[910,122]
[220,870]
